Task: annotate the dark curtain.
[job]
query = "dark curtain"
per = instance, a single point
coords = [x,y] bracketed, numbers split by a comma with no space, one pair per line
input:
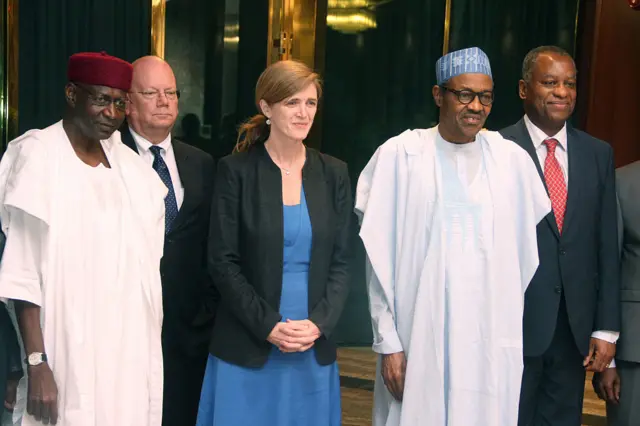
[506,30]
[51,31]
[378,84]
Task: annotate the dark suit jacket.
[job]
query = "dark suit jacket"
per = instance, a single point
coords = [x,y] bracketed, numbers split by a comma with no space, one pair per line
[583,262]
[628,184]
[246,249]
[189,298]
[10,362]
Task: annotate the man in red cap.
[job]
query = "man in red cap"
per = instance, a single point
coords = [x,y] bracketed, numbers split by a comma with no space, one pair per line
[84,220]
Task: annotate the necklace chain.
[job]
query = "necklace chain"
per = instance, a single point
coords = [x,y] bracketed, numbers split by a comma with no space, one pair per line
[286,170]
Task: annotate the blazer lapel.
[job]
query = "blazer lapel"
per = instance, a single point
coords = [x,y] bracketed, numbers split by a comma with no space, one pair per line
[576,162]
[524,140]
[315,194]
[190,182]
[127,137]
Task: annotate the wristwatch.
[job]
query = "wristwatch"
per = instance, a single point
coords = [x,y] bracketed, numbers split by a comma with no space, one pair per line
[36,358]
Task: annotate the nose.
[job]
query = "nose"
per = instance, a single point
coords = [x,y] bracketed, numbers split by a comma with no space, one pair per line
[110,111]
[162,99]
[561,91]
[302,110]
[475,105]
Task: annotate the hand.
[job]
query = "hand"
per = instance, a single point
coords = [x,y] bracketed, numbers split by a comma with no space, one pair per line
[43,394]
[10,394]
[394,367]
[305,330]
[607,385]
[600,355]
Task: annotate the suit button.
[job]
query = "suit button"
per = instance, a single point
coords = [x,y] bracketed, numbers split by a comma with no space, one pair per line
[557,289]
[562,252]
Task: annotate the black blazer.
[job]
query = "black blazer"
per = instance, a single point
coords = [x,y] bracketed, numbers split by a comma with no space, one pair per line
[583,262]
[246,249]
[189,298]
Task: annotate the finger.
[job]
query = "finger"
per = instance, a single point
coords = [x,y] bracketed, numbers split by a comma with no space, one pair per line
[616,390]
[397,389]
[294,332]
[589,357]
[599,391]
[54,412]
[609,393]
[305,348]
[37,409]
[289,346]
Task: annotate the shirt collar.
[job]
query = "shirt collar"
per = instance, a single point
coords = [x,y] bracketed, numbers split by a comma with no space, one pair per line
[538,136]
[144,145]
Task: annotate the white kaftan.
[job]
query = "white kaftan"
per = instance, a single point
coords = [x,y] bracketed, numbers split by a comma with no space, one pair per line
[450,235]
[85,244]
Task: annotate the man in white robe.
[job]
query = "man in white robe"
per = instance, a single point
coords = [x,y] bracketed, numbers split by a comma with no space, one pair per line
[448,220]
[84,221]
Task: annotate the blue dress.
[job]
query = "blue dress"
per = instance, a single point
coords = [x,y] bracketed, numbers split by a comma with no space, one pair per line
[291,389]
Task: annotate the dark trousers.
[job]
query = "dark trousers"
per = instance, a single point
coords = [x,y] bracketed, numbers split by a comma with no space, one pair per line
[553,384]
[182,385]
[627,412]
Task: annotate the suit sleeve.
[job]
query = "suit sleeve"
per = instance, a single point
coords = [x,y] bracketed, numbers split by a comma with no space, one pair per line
[225,262]
[326,313]
[14,362]
[211,294]
[608,308]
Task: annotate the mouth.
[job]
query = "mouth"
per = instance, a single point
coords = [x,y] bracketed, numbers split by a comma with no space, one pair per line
[106,127]
[301,125]
[558,105]
[471,120]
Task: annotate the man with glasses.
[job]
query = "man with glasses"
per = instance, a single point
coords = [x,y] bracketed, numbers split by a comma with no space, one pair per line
[572,307]
[449,219]
[84,222]
[189,297]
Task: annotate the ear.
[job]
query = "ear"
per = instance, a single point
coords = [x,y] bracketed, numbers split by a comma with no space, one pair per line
[522,89]
[265,108]
[127,110]
[436,91]
[70,94]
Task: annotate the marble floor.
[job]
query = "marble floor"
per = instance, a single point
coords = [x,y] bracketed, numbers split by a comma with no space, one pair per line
[357,372]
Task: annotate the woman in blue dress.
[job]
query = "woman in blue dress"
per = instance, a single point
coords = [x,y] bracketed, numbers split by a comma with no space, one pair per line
[279,256]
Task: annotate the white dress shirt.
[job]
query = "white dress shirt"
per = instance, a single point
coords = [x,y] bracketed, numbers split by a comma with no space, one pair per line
[169,158]
[562,155]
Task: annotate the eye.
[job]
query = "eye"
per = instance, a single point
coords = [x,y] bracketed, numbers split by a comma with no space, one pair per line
[571,84]
[548,83]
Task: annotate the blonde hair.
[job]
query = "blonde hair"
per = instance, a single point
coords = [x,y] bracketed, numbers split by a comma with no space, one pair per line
[279,81]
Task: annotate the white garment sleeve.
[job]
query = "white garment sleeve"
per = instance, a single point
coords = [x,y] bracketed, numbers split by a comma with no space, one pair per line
[385,334]
[20,270]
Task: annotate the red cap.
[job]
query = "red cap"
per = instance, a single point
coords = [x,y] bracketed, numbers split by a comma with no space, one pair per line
[100,69]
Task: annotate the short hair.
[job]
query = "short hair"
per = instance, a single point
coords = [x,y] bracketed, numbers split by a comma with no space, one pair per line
[531,58]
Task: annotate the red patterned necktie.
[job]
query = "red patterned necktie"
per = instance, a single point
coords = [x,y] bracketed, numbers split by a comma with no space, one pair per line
[555,183]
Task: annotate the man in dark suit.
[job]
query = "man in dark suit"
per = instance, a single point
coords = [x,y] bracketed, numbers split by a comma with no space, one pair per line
[572,306]
[619,385]
[189,297]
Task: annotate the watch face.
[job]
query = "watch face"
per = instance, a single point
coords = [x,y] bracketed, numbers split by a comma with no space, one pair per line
[35,359]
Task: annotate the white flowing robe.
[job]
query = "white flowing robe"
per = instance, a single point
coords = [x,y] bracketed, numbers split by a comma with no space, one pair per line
[84,243]
[446,285]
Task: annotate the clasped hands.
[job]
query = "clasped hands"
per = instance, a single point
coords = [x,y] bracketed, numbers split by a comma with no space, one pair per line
[294,336]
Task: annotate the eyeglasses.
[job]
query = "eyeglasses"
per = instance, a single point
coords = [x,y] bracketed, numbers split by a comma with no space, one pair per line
[171,95]
[101,100]
[466,96]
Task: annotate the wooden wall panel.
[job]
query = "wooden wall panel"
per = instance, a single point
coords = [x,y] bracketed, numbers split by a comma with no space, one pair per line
[613,111]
